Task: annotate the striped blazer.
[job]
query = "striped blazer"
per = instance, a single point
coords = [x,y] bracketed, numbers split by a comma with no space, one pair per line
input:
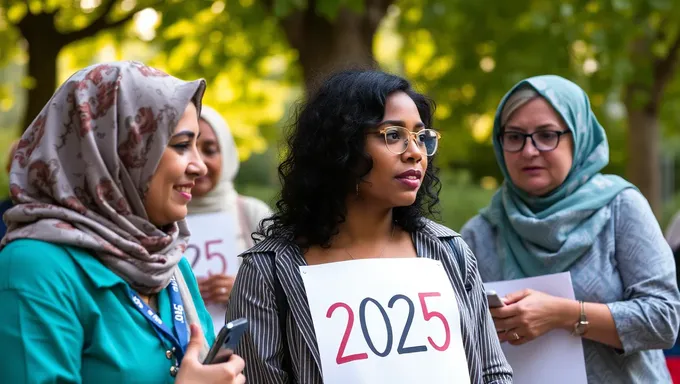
[253,297]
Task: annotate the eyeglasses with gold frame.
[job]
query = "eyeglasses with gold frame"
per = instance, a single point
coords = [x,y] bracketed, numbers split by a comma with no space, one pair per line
[426,139]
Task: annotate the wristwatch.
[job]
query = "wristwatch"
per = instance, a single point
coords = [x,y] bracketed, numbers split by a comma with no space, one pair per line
[581,325]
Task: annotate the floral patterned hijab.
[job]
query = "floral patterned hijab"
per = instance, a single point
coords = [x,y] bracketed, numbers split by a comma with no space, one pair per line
[81,169]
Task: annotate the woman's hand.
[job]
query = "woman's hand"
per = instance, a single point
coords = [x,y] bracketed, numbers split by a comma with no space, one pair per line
[192,370]
[216,289]
[528,314]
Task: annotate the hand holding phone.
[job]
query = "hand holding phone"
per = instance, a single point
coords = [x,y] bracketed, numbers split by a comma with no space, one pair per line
[226,341]
[494,300]
[194,371]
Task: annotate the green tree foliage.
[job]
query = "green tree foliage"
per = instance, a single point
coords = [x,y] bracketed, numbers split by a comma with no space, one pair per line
[623,52]
[43,28]
[261,55]
[324,35]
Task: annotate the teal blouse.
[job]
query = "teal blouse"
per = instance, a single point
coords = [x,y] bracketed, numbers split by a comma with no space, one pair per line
[67,318]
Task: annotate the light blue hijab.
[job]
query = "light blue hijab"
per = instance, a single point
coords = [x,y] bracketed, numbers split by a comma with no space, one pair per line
[547,234]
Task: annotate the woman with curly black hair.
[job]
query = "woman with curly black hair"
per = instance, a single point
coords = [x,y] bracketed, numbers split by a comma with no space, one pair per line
[357,183]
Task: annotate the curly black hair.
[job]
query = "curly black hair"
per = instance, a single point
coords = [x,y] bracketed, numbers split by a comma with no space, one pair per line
[326,158]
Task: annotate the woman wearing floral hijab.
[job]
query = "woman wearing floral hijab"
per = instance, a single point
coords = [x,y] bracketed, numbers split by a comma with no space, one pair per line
[7,203]
[92,279]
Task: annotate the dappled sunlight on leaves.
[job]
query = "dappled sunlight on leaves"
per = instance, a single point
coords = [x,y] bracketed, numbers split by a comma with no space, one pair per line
[4,25]
[597,99]
[215,36]
[481,127]
[488,183]
[388,43]
[186,48]
[128,5]
[438,67]
[226,93]
[421,52]
[495,44]
[6,99]
[464,54]
[27,82]
[79,21]
[247,63]
[217,7]
[579,49]
[468,91]
[16,12]
[146,21]
[486,48]
[206,58]
[592,7]
[274,65]
[103,47]
[443,111]
[237,45]
[178,29]
[487,64]
[413,15]
[89,5]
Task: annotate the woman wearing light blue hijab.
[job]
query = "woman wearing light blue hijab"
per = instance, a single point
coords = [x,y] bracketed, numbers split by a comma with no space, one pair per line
[556,212]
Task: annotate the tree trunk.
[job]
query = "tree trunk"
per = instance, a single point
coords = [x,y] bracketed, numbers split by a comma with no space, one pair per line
[42,67]
[44,44]
[327,46]
[643,168]
[643,100]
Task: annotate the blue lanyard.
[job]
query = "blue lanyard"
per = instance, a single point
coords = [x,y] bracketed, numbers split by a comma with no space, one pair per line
[180,338]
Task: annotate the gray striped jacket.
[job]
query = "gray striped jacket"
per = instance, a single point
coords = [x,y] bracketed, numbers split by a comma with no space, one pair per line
[253,297]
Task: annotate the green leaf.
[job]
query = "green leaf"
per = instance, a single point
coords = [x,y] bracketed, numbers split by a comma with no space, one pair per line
[328,8]
[283,8]
[16,12]
[355,5]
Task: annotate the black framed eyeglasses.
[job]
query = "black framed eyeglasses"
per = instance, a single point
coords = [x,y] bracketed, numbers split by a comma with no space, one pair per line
[544,141]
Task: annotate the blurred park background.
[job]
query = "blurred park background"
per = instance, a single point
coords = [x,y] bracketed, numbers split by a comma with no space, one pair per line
[261,56]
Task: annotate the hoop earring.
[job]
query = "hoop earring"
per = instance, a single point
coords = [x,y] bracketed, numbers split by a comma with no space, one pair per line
[357,188]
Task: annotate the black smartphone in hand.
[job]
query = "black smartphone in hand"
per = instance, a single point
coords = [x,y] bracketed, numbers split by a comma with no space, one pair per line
[226,341]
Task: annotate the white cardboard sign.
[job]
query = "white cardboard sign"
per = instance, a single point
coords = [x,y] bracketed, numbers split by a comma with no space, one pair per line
[386,321]
[556,357]
[212,246]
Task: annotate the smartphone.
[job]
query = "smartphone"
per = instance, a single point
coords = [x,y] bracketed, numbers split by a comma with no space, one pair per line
[226,341]
[494,300]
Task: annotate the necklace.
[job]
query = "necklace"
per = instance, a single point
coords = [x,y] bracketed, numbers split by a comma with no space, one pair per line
[381,252]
